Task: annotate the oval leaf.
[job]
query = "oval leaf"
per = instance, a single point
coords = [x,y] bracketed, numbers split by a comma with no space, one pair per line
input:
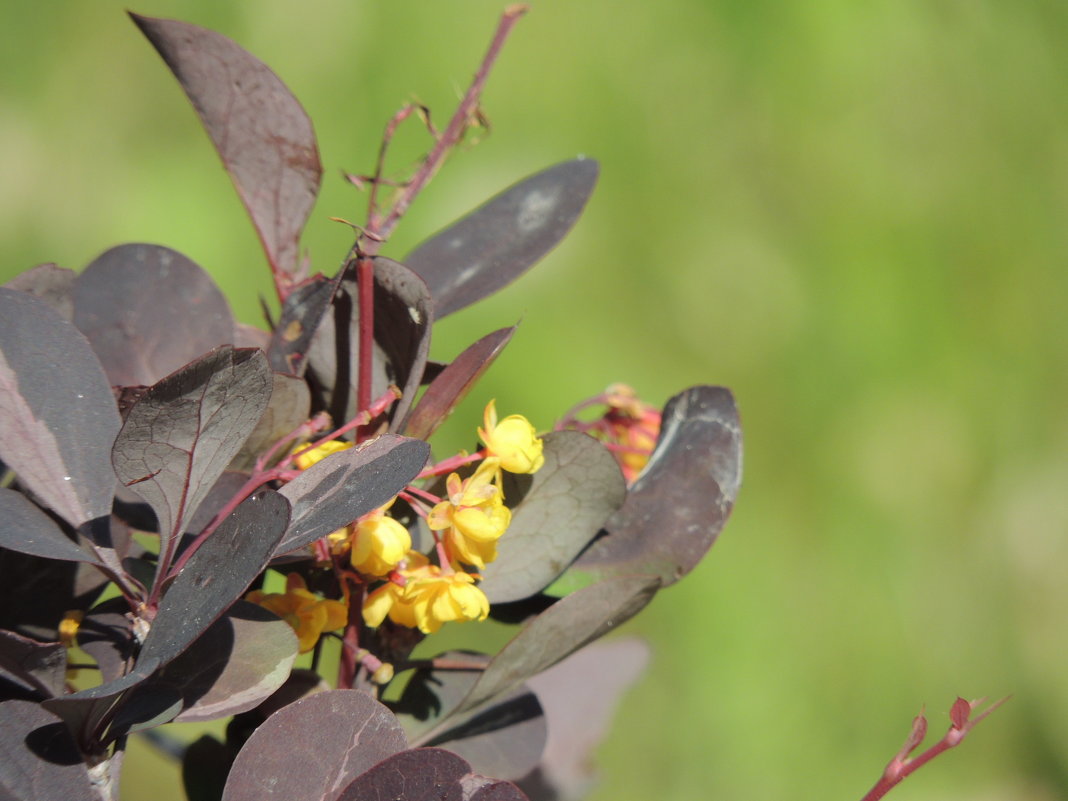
[310,749]
[684,494]
[239,661]
[349,484]
[57,415]
[452,384]
[217,574]
[40,759]
[290,406]
[180,436]
[424,774]
[500,240]
[25,528]
[560,630]
[39,667]
[148,310]
[569,499]
[261,132]
[49,282]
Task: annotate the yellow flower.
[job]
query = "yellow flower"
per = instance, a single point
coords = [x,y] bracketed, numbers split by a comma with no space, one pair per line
[68,627]
[474,517]
[378,543]
[513,440]
[428,599]
[307,458]
[308,614]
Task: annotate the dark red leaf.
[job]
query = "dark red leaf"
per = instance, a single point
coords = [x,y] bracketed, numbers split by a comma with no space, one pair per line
[314,747]
[57,414]
[25,528]
[290,405]
[148,310]
[565,505]
[560,630]
[39,667]
[217,574]
[348,484]
[51,283]
[579,696]
[40,760]
[500,240]
[303,311]
[261,132]
[452,384]
[423,774]
[180,436]
[679,504]
[959,713]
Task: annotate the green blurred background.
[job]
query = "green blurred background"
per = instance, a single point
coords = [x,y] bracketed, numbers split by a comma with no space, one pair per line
[852,214]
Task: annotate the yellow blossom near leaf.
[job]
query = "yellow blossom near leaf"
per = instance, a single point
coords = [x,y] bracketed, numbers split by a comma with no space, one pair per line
[429,598]
[378,543]
[68,627]
[307,458]
[473,517]
[513,440]
[308,614]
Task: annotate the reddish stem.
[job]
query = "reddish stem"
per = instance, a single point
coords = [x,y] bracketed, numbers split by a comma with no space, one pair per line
[350,642]
[365,280]
[379,229]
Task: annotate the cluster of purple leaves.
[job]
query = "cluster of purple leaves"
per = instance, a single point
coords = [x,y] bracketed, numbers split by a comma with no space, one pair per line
[130,400]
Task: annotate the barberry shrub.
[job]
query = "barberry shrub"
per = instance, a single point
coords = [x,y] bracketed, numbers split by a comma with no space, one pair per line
[189,504]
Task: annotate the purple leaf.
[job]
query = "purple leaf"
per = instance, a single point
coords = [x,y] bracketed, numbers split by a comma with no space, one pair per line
[303,312]
[427,774]
[500,240]
[50,283]
[262,134]
[40,760]
[105,635]
[180,436]
[679,504]
[402,321]
[36,592]
[579,696]
[290,406]
[452,384]
[148,310]
[217,574]
[238,662]
[311,749]
[25,528]
[560,630]
[566,504]
[348,484]
[57,414]
[38,667]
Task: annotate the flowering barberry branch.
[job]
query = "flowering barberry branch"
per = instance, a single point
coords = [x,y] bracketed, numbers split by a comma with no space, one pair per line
[902,766]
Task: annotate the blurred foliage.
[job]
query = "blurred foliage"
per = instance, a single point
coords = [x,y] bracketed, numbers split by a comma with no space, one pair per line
[853,214]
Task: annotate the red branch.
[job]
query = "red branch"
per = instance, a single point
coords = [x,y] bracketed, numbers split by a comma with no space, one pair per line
[902,766]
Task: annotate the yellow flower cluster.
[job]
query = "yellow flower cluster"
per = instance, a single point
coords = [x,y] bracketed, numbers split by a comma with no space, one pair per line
[308,614]
[427,598]
[474,517]
[470,520]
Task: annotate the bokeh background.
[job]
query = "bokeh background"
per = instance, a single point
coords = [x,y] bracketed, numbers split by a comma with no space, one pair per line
[852,214]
